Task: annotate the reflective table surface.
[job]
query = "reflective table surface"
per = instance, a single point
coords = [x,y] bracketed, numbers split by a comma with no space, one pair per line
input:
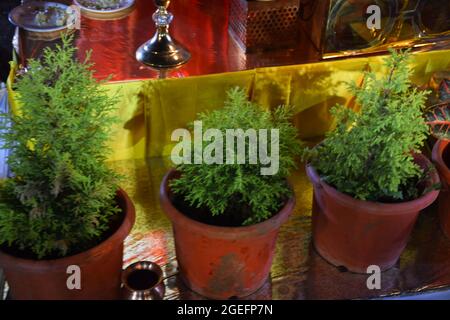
[298,272]
[201,26]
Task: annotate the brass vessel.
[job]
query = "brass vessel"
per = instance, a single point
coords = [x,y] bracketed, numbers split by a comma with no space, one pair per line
[161,51]
[143,280]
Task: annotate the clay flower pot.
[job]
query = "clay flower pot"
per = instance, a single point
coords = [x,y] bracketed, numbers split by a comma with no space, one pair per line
[441,158]
[356,234]
[100,268]
[222,262]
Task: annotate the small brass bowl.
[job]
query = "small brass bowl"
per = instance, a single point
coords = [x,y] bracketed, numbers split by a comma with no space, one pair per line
[107,14]
[143,280]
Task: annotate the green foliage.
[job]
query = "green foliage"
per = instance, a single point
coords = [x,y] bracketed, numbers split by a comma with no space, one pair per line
[60,198]
[240,190]
[439,121]
[369,153]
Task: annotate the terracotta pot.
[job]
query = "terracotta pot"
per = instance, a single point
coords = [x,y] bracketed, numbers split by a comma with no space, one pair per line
[222,262]
[100,268]
[357,234]
[441,158]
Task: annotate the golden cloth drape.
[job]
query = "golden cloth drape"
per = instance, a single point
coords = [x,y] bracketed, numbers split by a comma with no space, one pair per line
[150,110]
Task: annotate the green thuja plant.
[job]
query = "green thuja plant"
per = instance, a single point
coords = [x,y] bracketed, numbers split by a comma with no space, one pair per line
[369,155]
[60,198]
[239,192]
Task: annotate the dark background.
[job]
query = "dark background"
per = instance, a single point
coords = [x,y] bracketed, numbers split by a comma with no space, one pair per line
[6,34]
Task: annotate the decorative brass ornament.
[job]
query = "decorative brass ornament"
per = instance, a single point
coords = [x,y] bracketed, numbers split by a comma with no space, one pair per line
[161,51]
[143,280]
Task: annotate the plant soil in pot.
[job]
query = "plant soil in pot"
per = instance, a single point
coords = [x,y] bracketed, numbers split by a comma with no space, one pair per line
[100,268]
[370,180]
[63,217]
[226,216]
[441,158]
[357,234]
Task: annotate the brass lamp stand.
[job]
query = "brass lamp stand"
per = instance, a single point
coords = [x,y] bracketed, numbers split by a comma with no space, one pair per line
[162,52]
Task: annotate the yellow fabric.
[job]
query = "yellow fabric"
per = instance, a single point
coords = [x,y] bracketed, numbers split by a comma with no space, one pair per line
[150,110]
[311,88]
[129,136]
[9,86]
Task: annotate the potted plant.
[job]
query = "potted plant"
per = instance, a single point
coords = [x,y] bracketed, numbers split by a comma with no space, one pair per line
[226,214]
[370,179]
[63,217]
[439,121]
